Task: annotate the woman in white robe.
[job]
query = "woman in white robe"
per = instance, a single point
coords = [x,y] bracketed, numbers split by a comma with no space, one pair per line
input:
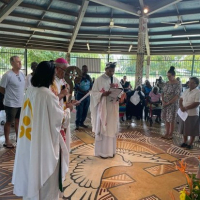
[41,160]
[105,113]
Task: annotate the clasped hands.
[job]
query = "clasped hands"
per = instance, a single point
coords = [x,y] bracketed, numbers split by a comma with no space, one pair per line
[165,103]
[183,109]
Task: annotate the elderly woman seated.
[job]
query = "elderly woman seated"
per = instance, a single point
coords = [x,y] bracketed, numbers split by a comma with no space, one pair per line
[154,100]
[135,103]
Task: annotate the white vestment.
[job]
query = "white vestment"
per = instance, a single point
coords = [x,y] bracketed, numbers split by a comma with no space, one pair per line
[39,145]
[105,117]
[56,88]
[28,81]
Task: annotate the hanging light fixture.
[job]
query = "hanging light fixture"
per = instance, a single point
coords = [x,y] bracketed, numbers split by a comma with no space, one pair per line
[146,10]
[37,29]
[88,46]
[130,47]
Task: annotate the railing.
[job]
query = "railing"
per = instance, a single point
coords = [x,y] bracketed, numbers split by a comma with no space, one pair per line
[5,55]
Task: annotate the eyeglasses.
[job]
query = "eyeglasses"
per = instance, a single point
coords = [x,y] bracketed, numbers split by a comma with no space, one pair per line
[62,69]
[19,78]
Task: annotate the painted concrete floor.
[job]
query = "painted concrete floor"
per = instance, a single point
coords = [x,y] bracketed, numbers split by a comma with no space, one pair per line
[143,168]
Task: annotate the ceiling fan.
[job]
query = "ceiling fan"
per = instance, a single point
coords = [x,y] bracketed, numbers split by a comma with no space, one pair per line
[179,22]
[112,25]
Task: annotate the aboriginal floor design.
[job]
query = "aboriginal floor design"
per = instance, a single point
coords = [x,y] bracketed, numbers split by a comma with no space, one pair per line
[144,167]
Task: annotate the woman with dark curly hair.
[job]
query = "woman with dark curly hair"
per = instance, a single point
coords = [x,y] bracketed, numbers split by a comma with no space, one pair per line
[170,96]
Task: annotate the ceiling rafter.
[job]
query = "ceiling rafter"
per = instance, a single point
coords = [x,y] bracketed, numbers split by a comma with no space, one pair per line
[184,27]
[76,2]
[174,14]
[56,36]
[53,10]
[161,5]
[87,24]
[9,8]
[51,28]
[15,30]
[22,38]
[135,34]
[127,8]
[170,52]
[36,18]
[36,7]
[39,22]
[78,24]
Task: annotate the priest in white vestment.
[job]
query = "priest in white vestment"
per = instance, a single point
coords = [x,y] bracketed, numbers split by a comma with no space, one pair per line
[42,157]
[105,113]
[61,89]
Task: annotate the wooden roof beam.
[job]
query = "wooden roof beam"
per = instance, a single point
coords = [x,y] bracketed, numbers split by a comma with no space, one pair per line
[9,8]
[160,5]
[78,24]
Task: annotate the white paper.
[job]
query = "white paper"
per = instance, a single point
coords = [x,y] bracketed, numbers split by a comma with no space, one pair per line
[115,92]
[182,115]
[135,98]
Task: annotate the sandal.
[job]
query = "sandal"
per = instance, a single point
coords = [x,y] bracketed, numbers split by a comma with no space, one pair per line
[10,146]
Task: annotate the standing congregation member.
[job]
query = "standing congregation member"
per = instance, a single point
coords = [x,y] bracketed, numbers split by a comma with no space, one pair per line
[170,96]
[147,88]
[61,89]
[41,159]
[125,84]
[29,76]
[189,102]
[160,83]
[105,113]
[82,89]
[12,86]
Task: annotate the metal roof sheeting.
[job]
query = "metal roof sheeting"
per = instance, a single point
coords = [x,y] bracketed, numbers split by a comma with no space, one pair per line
[59,18]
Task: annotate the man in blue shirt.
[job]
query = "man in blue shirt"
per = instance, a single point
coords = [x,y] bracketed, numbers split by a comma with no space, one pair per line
[82,89]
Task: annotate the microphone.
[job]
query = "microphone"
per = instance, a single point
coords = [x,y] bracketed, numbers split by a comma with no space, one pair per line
[64,98]
[111,78]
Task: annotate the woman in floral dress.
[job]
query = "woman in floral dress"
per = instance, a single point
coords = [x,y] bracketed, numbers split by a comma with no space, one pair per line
[170,96]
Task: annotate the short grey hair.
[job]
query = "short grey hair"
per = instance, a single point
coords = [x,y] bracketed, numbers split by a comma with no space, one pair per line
[195,79]
[12,58]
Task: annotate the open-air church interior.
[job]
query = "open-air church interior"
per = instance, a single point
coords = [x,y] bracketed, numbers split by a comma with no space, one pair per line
[99,100]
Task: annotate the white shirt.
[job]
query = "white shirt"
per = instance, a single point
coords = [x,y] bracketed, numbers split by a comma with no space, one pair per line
[14,85]
[28,81]
[190,97]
